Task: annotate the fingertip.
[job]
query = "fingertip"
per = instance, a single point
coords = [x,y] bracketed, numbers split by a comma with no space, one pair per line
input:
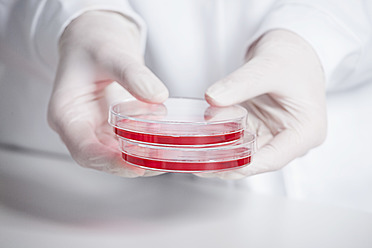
[158,97]
[222,94]
[97,156]
[150,173]
[231,175]
[215,101]
[210,99]
[205,174]
[235,174]
[145,85]
[119,167]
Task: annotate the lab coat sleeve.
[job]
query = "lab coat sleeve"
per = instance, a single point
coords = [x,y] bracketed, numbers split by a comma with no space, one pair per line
[339,32]
[33,27]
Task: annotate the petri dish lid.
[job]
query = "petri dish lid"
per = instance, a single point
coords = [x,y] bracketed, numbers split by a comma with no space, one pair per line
[189,159]
[178,121]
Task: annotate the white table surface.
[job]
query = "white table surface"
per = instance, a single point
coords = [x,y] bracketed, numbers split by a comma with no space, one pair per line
[54,203]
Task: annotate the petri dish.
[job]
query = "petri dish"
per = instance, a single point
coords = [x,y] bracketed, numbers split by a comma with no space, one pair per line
[189,159]
[178,122]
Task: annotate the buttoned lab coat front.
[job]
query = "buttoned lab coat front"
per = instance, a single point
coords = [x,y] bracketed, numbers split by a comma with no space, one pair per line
[190,44]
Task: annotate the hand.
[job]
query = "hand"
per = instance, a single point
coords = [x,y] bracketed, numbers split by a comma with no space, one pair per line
[283,87]
[97,48]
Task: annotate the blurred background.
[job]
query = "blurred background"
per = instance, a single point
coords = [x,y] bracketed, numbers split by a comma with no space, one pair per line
[323,199]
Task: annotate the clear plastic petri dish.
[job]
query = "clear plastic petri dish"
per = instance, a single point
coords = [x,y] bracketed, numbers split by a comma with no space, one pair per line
[189,159]
[178,122]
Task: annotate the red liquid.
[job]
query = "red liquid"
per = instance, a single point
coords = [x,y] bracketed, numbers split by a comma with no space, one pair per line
[185,166]
[179,140]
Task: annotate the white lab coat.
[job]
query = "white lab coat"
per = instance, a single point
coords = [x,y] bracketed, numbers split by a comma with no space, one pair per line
[190,44]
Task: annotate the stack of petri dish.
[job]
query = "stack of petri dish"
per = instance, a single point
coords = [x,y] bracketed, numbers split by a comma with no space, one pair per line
[182,135]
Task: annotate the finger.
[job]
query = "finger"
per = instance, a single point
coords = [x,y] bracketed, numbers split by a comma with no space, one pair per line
[135,108]
[253,79]
[135,77]
[222,114]
[85,148]
[206,174]
[273,155]
[283,148]
[114,93]
[79,132]
[152,173]
[263,136]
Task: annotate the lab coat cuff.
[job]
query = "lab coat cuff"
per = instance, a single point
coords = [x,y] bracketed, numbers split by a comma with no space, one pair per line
[58,14]
[332,42]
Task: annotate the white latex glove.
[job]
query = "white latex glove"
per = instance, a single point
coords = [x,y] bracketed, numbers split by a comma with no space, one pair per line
[97,48]
[283,87]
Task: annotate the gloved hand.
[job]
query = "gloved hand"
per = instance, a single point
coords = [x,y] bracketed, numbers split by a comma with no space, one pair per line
[283,87]
[97,48]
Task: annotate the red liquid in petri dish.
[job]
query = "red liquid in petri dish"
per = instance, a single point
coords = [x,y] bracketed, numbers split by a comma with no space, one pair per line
[186,166]
[151,133]
[179,140]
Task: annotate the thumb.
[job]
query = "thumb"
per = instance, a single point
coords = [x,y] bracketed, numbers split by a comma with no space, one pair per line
[250,80]
[137,79]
